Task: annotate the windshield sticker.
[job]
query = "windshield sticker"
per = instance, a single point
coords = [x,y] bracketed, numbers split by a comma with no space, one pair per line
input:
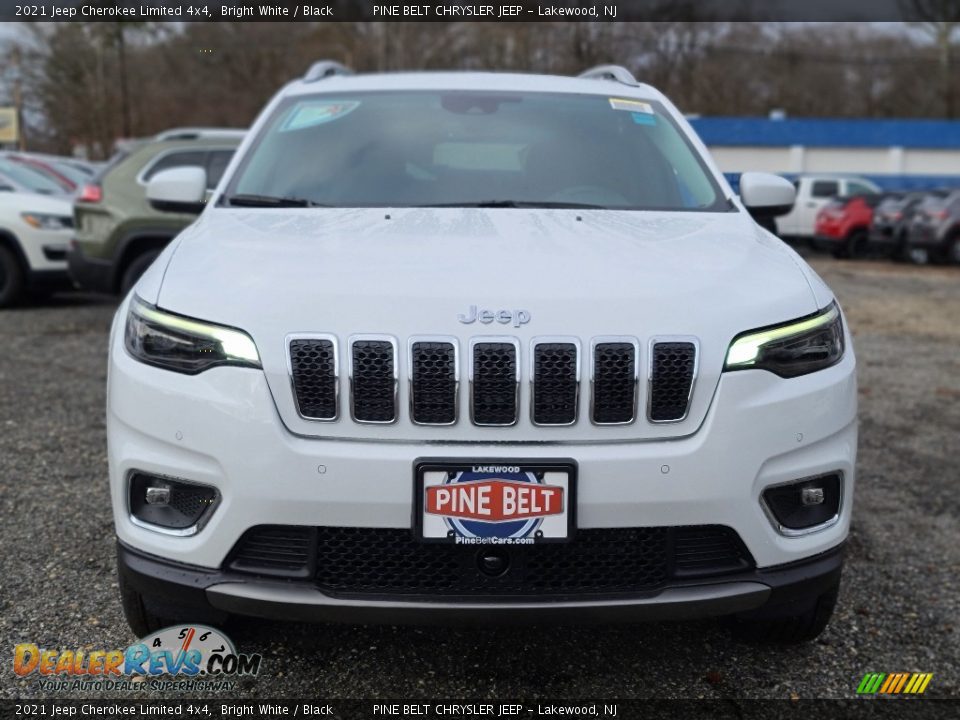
[643,119]
[631,105]
[318,113]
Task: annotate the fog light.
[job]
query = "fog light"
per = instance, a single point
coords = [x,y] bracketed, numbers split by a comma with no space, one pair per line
[170,505]
[808,496]
[801,506]
[158,495]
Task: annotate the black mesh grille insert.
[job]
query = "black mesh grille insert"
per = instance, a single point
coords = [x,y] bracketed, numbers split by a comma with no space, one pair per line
[389,562]
[276,550]
[673,364]
[494,383]
[614,382]
[709,550]
[434,383]
[381,561]
[555,383]
[315,378]
[373,382]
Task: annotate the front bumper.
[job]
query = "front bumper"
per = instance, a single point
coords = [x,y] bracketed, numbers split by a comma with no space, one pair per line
[182,586]
[221,428]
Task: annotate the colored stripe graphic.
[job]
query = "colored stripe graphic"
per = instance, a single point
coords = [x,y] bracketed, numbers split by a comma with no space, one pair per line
[870,683]
[894,683]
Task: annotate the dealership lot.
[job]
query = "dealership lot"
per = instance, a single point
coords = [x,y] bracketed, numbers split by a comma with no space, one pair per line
[899,602]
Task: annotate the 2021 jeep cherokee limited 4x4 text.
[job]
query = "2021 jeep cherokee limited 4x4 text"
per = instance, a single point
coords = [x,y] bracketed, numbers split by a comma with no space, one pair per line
[485,346]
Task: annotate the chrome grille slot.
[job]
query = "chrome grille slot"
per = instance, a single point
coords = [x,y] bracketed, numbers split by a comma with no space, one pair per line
[555,377]
[494,381]
[672,371]
[433,381]
[314,372]
[614,379]
[373,379]
[494,366]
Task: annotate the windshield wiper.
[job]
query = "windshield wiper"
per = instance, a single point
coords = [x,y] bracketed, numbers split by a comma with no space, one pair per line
[269,201]
[516,204]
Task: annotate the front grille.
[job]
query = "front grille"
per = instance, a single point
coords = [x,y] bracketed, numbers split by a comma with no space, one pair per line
[380,562]
[614,382]
[373,381]
[555,383]
[433,382]
[671,376]
[494,364]
[313,364]
[495,382]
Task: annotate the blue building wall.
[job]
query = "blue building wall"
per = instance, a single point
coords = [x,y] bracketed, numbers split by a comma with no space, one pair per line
[910,134]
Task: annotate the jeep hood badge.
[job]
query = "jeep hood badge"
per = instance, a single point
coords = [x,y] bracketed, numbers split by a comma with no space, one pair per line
[504,317]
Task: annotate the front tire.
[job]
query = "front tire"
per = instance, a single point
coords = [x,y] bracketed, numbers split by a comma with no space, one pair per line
[144,617]
[136,268]
[854,246]
[11,278]
[789,624]
[953,250]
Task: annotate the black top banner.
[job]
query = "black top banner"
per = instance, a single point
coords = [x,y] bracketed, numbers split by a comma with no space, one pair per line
[459,11]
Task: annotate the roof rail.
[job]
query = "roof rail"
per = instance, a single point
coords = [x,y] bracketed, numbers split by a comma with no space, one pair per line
[196,133]
[617,73]
[324,69]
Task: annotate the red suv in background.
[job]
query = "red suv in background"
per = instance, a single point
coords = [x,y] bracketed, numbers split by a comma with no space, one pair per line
[843,225]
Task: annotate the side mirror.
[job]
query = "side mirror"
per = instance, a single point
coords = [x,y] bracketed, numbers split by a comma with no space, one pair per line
[181,190]
[766,195]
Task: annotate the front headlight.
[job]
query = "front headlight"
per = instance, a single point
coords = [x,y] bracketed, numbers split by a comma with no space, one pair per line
[796,348]
[187,346]
[45,221]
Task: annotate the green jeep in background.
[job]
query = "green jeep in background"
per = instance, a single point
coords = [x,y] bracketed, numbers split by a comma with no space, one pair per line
[117,233]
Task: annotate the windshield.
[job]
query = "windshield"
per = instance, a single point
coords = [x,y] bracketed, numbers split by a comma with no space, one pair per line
[29,178]
[459,148]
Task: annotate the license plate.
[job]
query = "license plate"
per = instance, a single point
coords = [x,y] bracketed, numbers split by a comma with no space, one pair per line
[494,503]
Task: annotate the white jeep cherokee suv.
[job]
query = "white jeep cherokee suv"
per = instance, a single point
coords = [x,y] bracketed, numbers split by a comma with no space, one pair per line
[482,346]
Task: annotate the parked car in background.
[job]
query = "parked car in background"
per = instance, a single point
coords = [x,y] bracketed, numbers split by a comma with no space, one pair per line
[78,171]
[891,220]
[30,179]
[118,234]
[813,194]
[34,232]
[46,168]
[934,234]
[843,224]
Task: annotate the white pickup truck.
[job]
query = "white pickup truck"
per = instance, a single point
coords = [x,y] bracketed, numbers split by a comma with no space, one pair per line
[813,192]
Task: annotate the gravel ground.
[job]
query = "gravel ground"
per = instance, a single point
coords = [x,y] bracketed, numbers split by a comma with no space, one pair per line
[898,607]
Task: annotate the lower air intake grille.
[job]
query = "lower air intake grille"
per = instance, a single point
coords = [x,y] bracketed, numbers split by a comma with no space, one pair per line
[708,550]
[373,381]
[614,383]
[383,562]
[433,375]
[495,381]
[670,381]
[555,383]
[314,366]
[284,550]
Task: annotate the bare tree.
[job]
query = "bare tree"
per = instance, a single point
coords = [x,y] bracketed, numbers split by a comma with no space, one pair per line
[940,21]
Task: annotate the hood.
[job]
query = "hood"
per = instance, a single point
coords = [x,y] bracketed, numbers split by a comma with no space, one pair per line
[414,271]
